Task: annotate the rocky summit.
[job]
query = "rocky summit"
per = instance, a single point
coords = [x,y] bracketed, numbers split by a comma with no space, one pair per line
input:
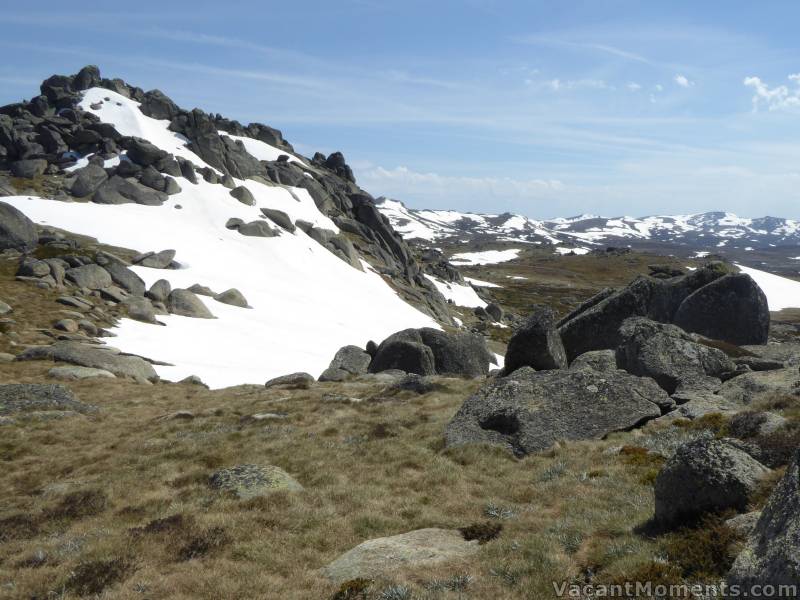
[227,370]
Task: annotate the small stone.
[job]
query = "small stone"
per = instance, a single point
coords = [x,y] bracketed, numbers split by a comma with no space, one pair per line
[251,481]
[68,325]
[71,372]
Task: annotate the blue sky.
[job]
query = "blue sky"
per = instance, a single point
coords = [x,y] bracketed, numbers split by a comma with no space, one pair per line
[541,108]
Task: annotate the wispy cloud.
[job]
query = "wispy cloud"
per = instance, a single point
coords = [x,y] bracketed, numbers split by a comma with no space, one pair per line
[581,45]
[777,98]
[683,81]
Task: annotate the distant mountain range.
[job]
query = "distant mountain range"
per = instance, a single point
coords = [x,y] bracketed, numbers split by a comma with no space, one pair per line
[713,232]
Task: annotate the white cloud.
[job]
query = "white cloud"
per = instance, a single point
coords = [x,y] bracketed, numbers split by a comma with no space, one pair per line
[777,98]
[683,81]
[558,85]
[633,86]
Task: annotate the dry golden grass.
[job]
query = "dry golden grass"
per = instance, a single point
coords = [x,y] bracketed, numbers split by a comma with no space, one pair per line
[370,469]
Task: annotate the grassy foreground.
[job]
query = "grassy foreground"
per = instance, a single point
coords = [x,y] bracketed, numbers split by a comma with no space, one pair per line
[118,504]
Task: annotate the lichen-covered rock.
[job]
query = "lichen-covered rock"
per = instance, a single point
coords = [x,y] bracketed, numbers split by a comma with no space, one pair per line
[529,411]
[251,481]
[536,344]
[667,354]
[413,550]
[705,476]
[772,553]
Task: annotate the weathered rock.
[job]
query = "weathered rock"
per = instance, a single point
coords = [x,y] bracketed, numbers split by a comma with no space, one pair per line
[732,308]
[243,195]
[68,325]
[599,360]
[405,355]
[749,424]
[751,387]
[5,308]
[258,229]
[494,311]
[202,290]
[292,380]
[27,397]
[88,180]
[348,361]
[17,232]
[772,553]
[159,291]
[447,353]
[72,373]
[280,218]
[187,304]
[119,190]
[96,357]
[529,411]
[233,297]
[413,550]
[536,344]
[744,524]
[705,476]
[156,260]
[29,168]
[144,153]
[667,354]
[93,277]
[252,481]
[141,309]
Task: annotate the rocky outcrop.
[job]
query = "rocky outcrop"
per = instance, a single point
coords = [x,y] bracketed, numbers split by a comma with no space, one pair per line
[529,411]
[595,324]
[536,344]
[705,476]
[771,555]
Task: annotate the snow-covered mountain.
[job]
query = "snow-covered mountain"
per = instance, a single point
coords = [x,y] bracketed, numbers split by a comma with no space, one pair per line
[712,232]
[318,266]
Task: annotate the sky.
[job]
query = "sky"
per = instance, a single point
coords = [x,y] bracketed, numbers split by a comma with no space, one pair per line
[540,108]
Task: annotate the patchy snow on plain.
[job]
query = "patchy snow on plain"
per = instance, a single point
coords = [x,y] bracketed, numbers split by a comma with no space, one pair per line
[480,283]
[781,292]
[562,250]
[486,257]
[460,295]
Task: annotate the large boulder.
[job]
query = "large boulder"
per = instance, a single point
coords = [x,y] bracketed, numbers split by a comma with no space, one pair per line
[529,411]
[185,303]
[595,324]
[16,230]
[772,553]
[599,360]
[403,355]
[348,361]
[732,308]
[536,344]
[87,180]
[156,260]
[705,476]
[121,274]
[144,153]
[28,168]
[597,327]
[280,218]
[413,550]
[119,190]
[460,354]
[667,354]
[233,297]
[243,195]
[91,276]
[258,229]
[97,357]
